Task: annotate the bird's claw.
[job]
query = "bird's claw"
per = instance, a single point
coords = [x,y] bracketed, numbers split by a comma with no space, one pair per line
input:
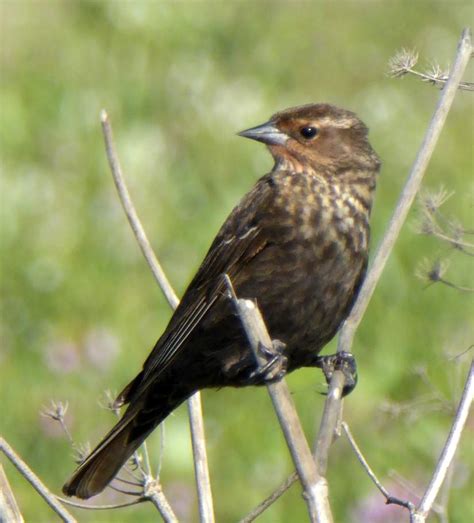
[275,364]
[343,361]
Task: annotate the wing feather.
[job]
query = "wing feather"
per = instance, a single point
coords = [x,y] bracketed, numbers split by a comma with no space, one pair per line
[239,240]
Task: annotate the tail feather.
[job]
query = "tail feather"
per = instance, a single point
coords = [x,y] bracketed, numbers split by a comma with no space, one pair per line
[98,470]
[145,412]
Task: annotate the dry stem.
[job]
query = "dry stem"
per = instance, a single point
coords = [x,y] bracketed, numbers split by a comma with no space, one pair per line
[35,482]
[412,185]
[194,404]
[448,451]
[315,487]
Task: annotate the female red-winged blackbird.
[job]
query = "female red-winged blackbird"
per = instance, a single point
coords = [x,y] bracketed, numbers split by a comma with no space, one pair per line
[297,243]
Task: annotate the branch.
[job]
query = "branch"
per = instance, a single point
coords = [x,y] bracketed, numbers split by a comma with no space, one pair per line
[389,500]
[409,192]
[9,511]
[404,61]
[448,451]
[315,487]
[154,493]
[412,185]
[101,507]
[267,502]
[35,482]
[206,511]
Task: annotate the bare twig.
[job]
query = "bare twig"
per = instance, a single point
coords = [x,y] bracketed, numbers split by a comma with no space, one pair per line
[329,421]
[399,216]
[267,502]
[454,286]
[101,507]
[132,215]
[412,185]
[9,510]
[315,487]
[194,404]
[154,493]
[35,482]
[404,61]
[389,499]
[201,471]
[448,451]
[409,192]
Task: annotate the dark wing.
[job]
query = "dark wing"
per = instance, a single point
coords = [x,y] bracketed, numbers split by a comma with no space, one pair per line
[239,240]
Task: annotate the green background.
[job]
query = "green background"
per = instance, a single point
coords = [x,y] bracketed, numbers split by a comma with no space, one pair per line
[80,307]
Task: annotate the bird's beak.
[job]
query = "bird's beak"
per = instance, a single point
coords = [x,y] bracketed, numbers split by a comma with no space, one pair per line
[267,133]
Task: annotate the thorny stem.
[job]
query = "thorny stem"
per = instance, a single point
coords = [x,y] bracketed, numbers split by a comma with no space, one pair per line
[194,403]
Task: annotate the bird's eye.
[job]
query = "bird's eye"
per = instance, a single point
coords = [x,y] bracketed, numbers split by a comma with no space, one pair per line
[308,132]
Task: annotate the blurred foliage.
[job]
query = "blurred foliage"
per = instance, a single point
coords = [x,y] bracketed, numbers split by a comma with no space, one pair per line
[80,308]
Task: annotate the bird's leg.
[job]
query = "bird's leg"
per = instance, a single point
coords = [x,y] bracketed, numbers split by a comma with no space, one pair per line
[343,361]
[274,364]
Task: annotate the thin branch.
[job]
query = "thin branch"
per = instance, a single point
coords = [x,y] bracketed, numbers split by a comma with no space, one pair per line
[201,470]
[133,493]
[409,192]
[35,482]
[134,483]
[441,508]
[132,215]
[389,499]
[101,507]
[452,241]
[315,487]
[146,459]
[162,449]
[448,451]
[194,405]
[9,510]
[404,61]
[154,494]
[439,81]
[329,421]
[454,286]
[268,502]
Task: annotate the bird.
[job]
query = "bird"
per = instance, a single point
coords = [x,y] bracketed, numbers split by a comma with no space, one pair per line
[297,243]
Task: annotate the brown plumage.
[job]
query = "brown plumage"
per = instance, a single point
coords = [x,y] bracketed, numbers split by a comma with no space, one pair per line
[297,242]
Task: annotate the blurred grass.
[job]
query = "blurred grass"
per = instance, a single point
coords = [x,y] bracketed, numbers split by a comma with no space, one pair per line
[179,79]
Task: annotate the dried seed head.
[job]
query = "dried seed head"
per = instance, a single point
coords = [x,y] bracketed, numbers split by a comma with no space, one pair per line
[56,411]
[400,64]
[431,271]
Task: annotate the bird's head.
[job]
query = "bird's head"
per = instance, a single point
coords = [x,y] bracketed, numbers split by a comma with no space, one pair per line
[321,137]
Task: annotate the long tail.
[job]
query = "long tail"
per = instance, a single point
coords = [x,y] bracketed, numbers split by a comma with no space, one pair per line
[101,466]
[104,462]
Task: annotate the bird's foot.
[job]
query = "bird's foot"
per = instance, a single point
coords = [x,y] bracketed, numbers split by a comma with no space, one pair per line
[274,364]
[343,361]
